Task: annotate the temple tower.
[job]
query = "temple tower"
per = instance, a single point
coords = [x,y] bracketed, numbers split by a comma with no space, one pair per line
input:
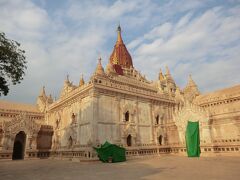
[120,55]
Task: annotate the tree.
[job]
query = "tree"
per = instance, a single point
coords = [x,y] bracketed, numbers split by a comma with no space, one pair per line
[12,63]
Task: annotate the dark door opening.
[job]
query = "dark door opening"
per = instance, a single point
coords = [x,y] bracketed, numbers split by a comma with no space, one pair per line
[160,139]
[19,146]
[129,140]
[127,116]
[70,141]
[157,119]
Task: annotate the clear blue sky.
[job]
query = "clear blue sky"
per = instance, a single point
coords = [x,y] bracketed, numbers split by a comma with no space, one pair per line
[198,37]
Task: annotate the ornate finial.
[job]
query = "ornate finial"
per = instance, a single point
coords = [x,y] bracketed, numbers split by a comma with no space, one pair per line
[119,27]
[43,94]
[191,87]
[161,78]
[190,81]
[100,60]
[67,82]
[99,69]
[169,76]
[167,70]
[119,37]
[50,99]
[190,76]
[81,82]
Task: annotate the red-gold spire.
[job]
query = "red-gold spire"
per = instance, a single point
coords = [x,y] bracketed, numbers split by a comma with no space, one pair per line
[120,54]
[119,36]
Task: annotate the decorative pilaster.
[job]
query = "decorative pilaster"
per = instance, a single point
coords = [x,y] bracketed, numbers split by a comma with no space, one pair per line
[1,138]
[79,119]
[95,117]
[152,124]
[118,121]
[137,129]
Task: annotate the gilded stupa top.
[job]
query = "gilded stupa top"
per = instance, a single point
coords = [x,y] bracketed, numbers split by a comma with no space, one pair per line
[120,55]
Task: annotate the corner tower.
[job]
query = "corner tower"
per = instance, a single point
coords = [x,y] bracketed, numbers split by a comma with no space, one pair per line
[120,55]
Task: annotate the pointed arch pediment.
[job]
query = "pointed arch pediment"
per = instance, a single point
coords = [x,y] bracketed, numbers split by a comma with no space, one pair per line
[128,107]
[157,111]
[190,112]
[130,130]
[21,122]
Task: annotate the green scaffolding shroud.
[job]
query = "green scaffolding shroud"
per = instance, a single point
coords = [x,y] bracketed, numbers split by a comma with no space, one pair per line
[193,139]
[108,150]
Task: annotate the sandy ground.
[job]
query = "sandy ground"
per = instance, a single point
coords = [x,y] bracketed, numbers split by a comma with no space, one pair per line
[165,167]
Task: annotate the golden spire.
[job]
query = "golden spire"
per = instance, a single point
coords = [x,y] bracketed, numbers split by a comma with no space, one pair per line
[50,99]
[43,93]
[120,54]
[190,81]
[191,86]
[99,69]
[81,82]
[115,58]
[161,77]
[167,70]
[119,36]
[67,79]
[168,74]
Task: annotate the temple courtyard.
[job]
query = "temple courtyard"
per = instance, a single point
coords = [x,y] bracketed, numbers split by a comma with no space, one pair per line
[162,167]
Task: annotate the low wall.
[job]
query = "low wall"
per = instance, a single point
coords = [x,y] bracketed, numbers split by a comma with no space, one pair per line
[89,153]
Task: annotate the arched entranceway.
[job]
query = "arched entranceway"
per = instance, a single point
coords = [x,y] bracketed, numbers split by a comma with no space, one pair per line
[129,140]
[160,140]
[19,146]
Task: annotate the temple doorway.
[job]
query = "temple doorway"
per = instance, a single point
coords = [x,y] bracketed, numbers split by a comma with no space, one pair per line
[127,116]
[70,142]
[157,119]
[19,146]
[129,140]
[160,140]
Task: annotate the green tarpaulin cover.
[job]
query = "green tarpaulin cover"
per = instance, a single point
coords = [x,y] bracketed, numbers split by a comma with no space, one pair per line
[108,150]
[193,139]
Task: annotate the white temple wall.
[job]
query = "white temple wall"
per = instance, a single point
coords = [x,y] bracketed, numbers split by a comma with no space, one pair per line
[225,131]
[144,113]
[84,134]
[145,123]
[144,133]
[85,110]
[107,117]
[85,118]
[106,132]
[107,107]
[81,131]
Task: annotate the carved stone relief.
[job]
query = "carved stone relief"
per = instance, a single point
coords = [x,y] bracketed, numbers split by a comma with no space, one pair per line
[71,136]
[22,122]
[194,113]
[158,112]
